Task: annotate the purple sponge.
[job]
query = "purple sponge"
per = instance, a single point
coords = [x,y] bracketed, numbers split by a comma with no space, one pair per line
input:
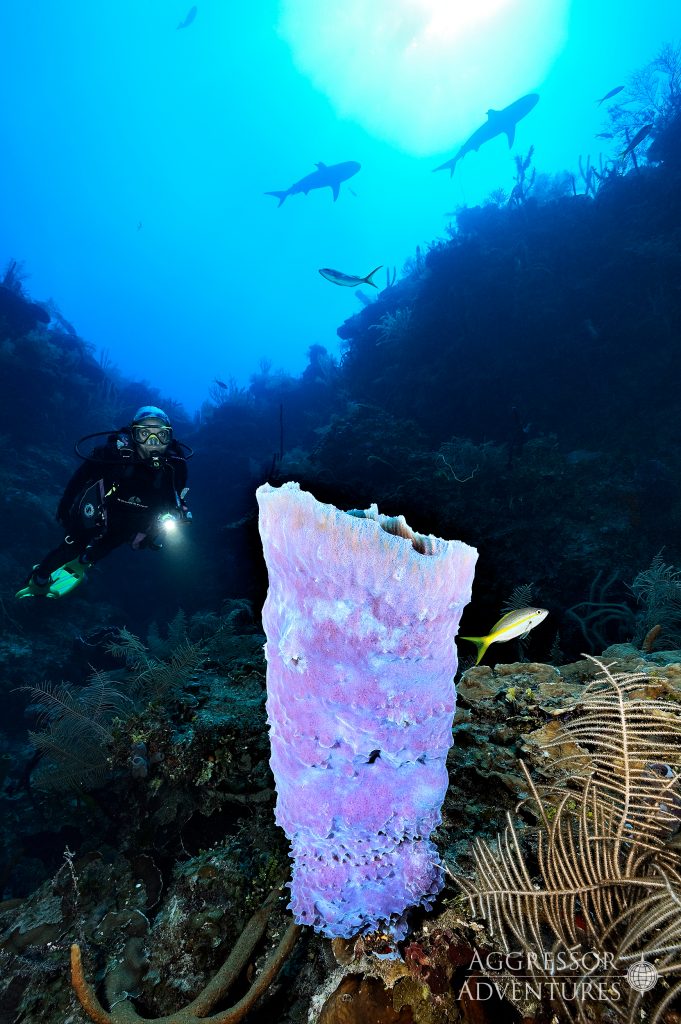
[361,618]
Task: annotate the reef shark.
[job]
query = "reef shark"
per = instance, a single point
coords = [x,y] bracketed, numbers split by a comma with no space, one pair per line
[499,122]
[324,177]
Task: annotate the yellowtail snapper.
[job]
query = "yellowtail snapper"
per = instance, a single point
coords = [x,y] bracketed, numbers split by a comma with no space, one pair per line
[348,280]
[512,625]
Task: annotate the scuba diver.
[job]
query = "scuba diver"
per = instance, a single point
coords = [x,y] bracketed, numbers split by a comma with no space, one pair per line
[129,489]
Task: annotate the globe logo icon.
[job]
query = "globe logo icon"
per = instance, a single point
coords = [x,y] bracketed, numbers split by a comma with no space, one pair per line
[642,976]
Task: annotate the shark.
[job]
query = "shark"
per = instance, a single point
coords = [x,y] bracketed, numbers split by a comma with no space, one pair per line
[499,122]
[330,176]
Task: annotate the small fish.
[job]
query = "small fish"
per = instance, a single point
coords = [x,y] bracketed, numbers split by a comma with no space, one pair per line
[605,135]
[512,625]
[636,141]
[189,18]
[609,95]
[221,384]
[347,280]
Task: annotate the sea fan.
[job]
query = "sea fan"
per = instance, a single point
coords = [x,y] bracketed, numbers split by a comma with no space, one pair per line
[154,678]
[77,732]
[521,597]
[658,591]
[166,677]
[130,649]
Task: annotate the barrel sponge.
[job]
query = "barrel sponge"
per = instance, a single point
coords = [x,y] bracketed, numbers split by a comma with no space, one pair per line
[361,618]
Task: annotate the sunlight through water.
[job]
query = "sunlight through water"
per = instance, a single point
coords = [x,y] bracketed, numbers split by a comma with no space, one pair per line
[421,74]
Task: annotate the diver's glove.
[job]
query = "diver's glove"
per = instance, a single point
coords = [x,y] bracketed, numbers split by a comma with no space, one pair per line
[149,541]
[185,515]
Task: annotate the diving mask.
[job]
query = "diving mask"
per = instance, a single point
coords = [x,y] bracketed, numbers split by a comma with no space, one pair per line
[143,433]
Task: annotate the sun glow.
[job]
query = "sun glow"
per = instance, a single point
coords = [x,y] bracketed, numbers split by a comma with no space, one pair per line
[422,73]
[441,22]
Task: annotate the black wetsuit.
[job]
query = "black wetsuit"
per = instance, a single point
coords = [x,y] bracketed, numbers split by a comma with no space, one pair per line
[114,498]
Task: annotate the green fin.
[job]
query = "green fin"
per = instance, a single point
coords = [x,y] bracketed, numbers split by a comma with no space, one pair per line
[63,581]
[67,577]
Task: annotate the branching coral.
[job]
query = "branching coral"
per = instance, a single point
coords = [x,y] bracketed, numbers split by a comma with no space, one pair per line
[524,181]
[394,328]
[196,1012]
[599,611]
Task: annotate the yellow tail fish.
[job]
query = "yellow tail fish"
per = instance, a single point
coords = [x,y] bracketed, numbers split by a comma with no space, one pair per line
[512,625]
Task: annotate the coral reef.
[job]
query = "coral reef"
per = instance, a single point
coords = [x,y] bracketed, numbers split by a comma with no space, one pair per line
[472,964]
[176,862]
[516,387]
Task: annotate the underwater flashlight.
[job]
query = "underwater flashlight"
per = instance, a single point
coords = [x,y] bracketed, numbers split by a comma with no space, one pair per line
[168,522]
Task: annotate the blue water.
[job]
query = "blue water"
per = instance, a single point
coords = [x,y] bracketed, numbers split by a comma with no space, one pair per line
[136,155]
